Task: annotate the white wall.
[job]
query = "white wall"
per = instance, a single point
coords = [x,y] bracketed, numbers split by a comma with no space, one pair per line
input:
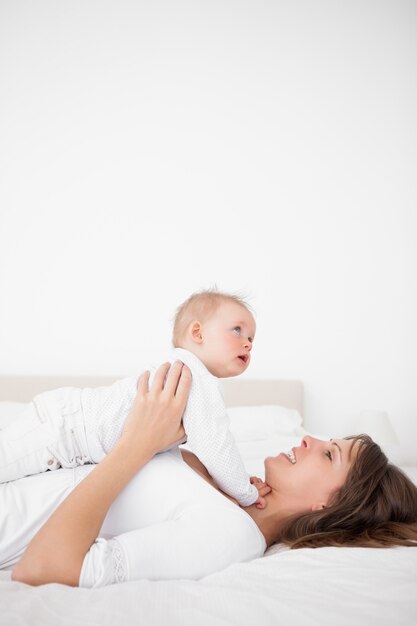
[149,149]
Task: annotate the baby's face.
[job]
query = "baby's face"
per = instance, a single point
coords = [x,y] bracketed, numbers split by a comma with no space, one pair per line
[227,340]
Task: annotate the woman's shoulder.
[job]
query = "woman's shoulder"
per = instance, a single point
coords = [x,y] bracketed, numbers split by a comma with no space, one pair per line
[230,529]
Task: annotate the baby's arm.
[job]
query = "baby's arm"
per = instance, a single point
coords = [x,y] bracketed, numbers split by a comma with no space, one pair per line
[208,435]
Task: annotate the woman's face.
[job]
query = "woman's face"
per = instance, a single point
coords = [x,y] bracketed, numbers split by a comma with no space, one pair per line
[307,476]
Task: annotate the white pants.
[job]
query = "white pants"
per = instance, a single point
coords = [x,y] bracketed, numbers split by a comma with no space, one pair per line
[51,432]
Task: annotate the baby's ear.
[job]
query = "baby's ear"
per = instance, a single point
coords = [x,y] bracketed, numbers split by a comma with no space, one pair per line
[196,332]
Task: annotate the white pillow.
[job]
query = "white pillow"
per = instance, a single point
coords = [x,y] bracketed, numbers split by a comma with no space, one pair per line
[9,410]
[252,423]
[247,423]
[254,453]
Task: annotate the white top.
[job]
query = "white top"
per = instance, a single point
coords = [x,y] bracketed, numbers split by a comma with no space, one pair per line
[168,523]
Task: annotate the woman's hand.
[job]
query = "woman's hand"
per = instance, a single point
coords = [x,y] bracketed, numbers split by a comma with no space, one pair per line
[155,418]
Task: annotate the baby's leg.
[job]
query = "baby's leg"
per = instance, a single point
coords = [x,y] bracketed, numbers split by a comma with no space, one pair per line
[48,434]
[64,428]
[23,446]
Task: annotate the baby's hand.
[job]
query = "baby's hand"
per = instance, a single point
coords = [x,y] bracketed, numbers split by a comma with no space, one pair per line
[263,490]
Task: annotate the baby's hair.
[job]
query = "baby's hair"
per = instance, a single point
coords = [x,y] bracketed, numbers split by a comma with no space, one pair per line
[200,306]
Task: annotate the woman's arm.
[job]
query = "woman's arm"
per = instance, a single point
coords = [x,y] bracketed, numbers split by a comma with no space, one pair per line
[57,551]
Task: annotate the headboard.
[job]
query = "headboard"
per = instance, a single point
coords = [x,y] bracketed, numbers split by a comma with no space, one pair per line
[237,392]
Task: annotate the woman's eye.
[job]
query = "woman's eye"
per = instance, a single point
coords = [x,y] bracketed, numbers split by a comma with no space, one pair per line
[329,455]
[237,330]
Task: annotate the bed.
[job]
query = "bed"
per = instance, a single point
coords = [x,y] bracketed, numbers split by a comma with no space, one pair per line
[324,586]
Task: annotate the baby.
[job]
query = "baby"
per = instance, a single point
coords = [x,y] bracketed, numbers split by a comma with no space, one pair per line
[213,334]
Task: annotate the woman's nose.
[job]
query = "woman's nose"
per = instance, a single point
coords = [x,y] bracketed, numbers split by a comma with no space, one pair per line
[309,442]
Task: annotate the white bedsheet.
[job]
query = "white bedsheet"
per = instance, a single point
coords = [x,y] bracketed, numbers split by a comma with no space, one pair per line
[327,587]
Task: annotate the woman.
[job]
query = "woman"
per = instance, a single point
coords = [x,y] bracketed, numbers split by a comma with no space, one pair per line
[341,492]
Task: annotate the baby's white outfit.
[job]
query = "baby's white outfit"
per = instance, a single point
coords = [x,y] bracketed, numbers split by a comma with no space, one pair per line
[167,523]
[69,427]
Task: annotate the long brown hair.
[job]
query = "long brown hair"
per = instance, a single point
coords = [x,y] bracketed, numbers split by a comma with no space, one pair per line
[376,507]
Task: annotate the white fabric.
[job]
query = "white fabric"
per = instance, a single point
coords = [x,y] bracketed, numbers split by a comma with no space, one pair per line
[180,518]
[205,420]
[255,423]
[48,433]
[82,425]
[166,522]
[25,505]
[322,587]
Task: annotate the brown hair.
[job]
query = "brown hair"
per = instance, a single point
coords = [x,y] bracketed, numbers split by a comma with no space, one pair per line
[200,306]
[376,507]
